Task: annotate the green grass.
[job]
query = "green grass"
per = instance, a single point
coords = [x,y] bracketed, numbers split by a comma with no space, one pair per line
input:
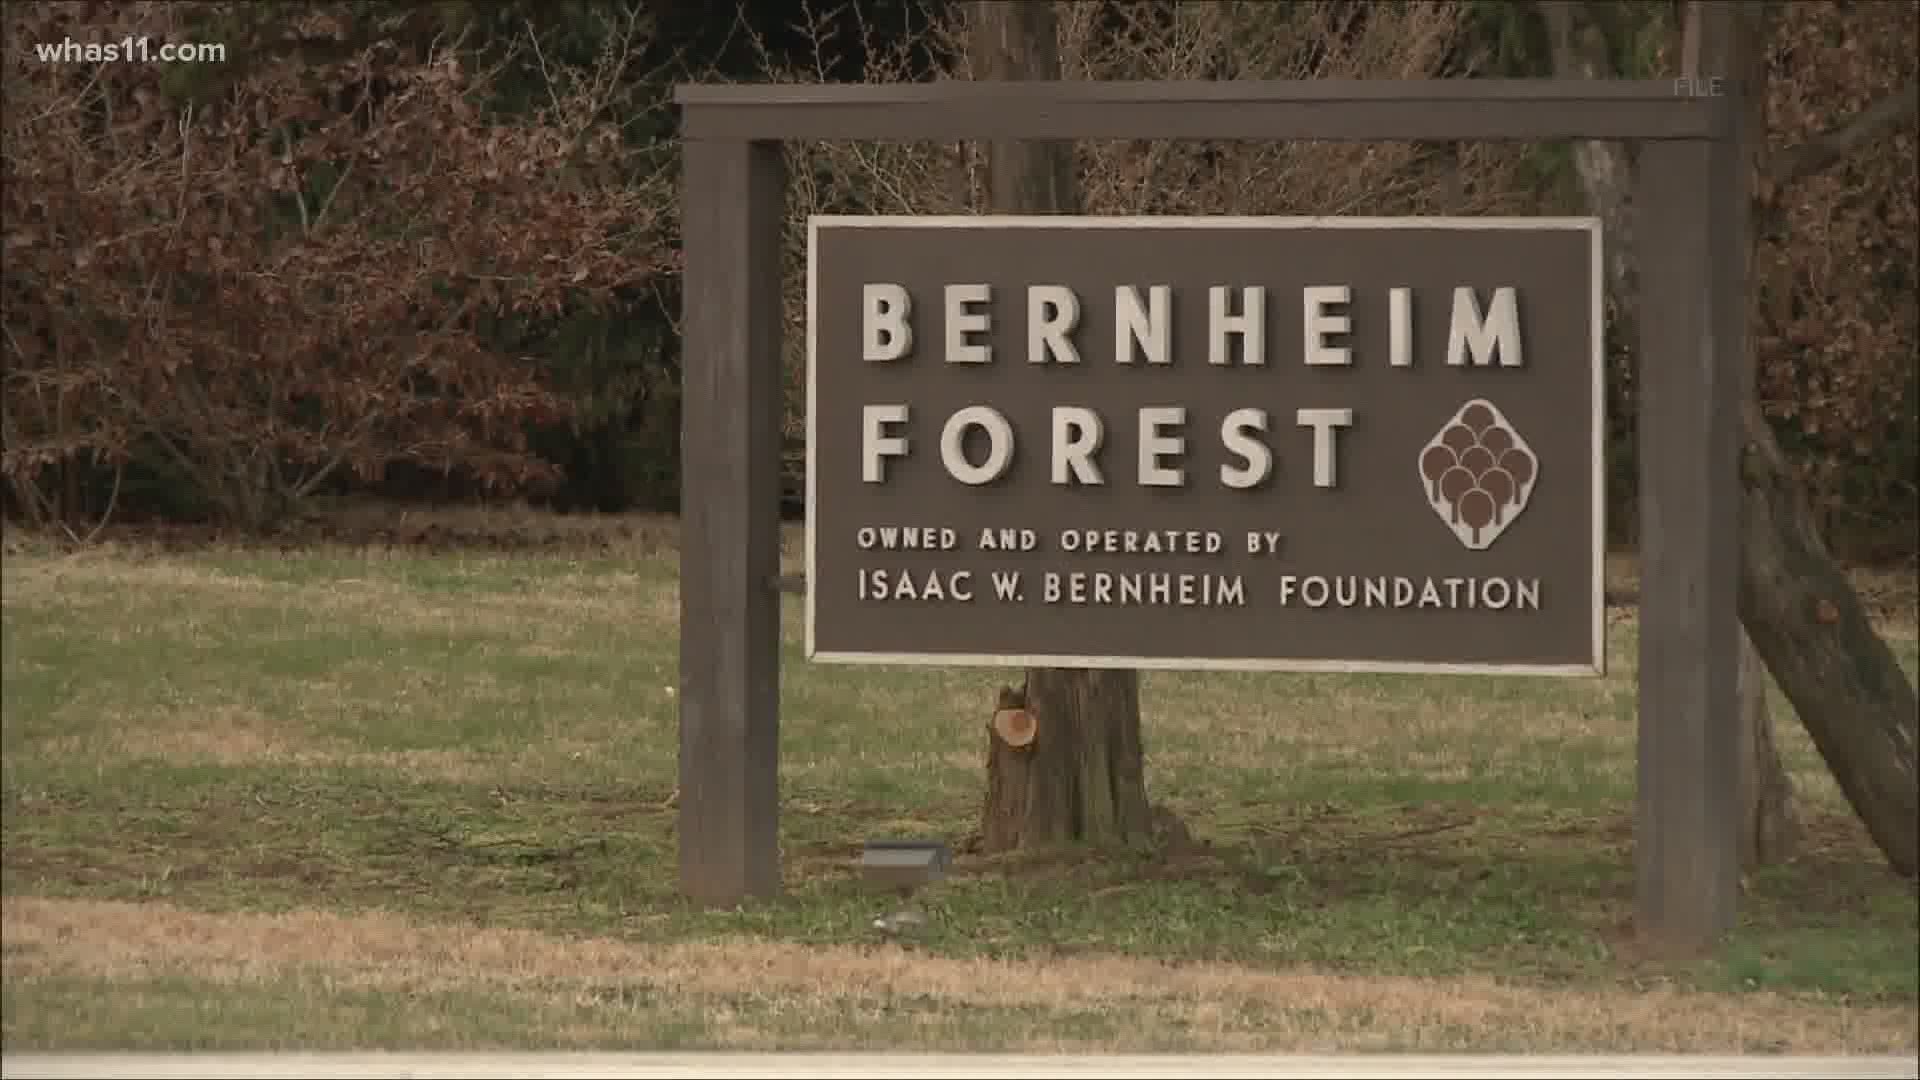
[490,742]
[188,1015]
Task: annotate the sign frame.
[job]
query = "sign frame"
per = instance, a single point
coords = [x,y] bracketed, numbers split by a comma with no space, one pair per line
[1689,191]
[1596,666]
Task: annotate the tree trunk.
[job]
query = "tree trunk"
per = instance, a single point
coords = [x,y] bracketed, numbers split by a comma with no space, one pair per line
[1769,829]
[1081,778]
[1814,634]
[1796,605]
[1003,824]
[1580,50]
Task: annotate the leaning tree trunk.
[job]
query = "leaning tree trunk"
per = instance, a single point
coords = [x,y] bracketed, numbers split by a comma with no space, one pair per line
[1809,625]
[1580,50]
[1796,605]
[1799,610]
[1064,761]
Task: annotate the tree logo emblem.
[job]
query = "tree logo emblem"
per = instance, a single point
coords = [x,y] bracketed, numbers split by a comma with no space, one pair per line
[1478,473]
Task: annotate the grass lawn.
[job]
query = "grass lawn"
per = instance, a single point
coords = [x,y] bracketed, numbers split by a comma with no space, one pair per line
[365,797]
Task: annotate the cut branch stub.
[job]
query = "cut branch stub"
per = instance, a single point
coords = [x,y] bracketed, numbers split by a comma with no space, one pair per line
[1015,727]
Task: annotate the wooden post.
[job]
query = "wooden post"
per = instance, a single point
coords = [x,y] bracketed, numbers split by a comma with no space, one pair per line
[1688,809]
[730,524]
[1722,40]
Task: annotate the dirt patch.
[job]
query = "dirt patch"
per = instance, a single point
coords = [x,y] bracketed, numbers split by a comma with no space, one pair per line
[187,597]
[236,735]
[214,734]
[130,942]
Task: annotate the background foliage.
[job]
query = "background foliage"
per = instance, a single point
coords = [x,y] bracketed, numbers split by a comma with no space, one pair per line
[428,252]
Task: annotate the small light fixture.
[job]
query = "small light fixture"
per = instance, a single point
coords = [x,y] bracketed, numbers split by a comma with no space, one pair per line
[903,865]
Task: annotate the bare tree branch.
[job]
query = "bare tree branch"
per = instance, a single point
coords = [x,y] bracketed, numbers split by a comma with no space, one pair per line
[113,500]
[1830,147]
[1605,167]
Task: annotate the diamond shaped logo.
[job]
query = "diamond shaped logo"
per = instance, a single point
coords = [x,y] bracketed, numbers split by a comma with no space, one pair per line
[1478,473]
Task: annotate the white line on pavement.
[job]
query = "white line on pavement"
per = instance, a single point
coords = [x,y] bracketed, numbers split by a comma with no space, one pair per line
[403,1066]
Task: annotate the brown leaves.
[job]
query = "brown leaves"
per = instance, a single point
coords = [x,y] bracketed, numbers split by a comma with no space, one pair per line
[1835,326]
[296,267]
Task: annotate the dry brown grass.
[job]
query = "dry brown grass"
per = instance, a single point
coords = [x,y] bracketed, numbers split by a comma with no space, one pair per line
[128,943]
[218,734]
[99,577]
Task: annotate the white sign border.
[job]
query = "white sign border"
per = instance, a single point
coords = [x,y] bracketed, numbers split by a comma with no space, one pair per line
[1598,435]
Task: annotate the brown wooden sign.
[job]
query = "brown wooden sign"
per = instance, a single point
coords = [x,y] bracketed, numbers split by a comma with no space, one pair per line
[1692,366]
[1215,443]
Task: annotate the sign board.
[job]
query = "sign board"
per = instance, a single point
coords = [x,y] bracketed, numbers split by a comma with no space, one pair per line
[1291,444]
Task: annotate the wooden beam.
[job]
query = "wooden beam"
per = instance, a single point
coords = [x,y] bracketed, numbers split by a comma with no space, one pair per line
[1351,110]
[730,525]
[1687,809]
[1686,842]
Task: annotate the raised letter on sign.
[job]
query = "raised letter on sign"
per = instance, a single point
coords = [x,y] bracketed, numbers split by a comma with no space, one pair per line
[884,320]
[1076,438]
[1142,328]
[1236,433]
[876,444]
[1319,322]
[961,322]
[1323,421]
[953,440]
[1479,337]
[1250,324]
[1052,313]
[1400,326]
[1154,446]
